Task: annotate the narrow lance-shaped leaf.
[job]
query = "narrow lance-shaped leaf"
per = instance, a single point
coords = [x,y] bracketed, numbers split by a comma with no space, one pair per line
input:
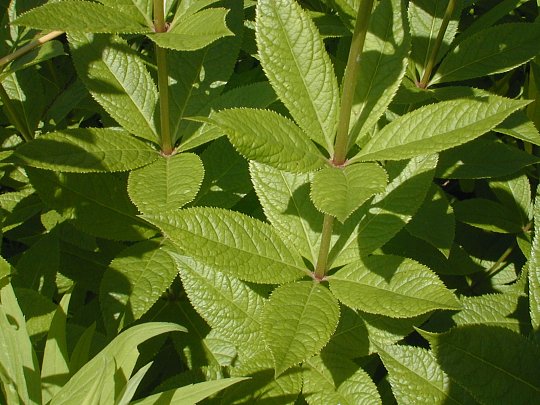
[267,137]
[494,364]
[233,243]
[298,321]
[118,80]
[80,16]
[391,286]
[382,65]
[86,150]
[340,191]
[437,127]
[167,184]
[194,31]
[494,50]
[55,368]
[296,63]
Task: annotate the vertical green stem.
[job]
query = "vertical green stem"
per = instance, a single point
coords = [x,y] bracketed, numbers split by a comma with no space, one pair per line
[437,46]
[14,116]
[342,136]
[163,80]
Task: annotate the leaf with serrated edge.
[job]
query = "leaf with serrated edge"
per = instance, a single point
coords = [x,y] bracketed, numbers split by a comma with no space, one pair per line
[233,243]
[80,16]
[287,205]
[534,269]
[118,80]
[391,285]
[140,10]
[227,304]
[195,32]
[340,191]
[269,138]
[133,282]
[494,364]
[437,127]
[337,380]
[294,58]
[85,150]
[298,320]
[167,184]
[375,224]
[493,50]
[416,378]
[382,65]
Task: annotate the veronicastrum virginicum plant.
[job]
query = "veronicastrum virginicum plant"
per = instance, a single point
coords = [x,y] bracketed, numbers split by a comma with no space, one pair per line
[384,258]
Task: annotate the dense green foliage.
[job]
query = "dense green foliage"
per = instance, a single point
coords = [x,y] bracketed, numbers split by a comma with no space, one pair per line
[272,201]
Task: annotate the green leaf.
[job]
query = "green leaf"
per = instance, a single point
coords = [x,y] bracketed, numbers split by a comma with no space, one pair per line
[375,224]
[340,191]
[481,158]
[131,387]
[504,310]
[425,19]
[190,394]
[391,286]
[336,380]
[519,126]
[493,50]
[80,16]
[416,378]
[5,272]
[38,55]
[232,243]
[298,67]
[298,320]
[133,282]
[267,137]
[86,150]
[228,305]
[96,202]
[55,367]
[118,80]
[534,270]
[287,205]
[122,353]
[194,31]
[167,184]
[19,367]
[226,179]
[435,210]
[437,127]
[494,364]
[140,10]
[382,65]
[81,351]
[489,215]
[514,192]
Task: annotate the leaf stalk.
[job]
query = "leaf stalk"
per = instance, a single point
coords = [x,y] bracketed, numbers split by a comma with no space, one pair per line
[163,80]
[341,144]
[437,46]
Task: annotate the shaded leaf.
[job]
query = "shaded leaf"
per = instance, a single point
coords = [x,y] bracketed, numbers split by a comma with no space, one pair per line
[86,150]
[489,215]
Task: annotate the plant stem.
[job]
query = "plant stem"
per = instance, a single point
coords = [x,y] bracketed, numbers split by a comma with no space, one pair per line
[28,47]
[13,116]
[437,46]
[349,81]
[342,136]
[163,80]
